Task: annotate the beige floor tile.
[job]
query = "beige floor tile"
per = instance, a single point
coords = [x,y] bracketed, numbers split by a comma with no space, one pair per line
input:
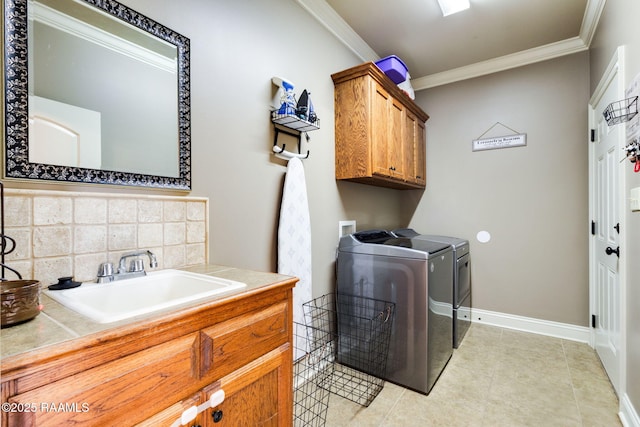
[538,344]
[599,417]
[499,415]
[534,396]
[532,367]
[496,378]
[479,357]
[436,409]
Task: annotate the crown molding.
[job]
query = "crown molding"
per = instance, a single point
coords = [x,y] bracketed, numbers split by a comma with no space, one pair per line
[111,41]
[328,17]
[590,20]
[515,60]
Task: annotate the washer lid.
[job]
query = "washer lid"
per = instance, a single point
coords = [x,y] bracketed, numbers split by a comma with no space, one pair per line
[383,243]
[405,232]
[417,244]
[454,241]
[373,236]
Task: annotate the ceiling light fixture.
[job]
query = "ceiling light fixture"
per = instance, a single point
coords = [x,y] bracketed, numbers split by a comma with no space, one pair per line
[453,6]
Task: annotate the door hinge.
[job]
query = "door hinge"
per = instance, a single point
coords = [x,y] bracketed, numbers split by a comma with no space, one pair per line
[593,320]
[593,135]
[593,228]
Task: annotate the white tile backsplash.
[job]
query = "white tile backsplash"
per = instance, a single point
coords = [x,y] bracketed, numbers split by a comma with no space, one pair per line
[89,210]
[70,233]
[52,210]
[174,211]
[150,211]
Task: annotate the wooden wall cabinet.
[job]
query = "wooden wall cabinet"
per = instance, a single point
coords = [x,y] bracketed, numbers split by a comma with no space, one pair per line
[379,131]
[149,375]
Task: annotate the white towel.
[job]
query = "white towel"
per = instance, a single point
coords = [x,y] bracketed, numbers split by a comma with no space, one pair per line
[294,236]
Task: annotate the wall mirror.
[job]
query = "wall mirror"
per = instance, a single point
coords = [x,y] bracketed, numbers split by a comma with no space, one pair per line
[96,93]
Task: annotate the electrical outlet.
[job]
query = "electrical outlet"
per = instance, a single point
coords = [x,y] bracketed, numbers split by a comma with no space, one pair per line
[346,227]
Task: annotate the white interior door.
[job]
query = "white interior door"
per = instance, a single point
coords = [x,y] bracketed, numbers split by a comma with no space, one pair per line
[605,202]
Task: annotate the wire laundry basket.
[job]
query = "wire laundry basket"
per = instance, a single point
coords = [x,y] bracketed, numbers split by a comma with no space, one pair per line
[621,111]
[362,330]
[312,370]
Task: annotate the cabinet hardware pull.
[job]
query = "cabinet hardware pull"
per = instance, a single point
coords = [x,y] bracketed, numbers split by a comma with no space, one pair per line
[217,416]
[190,414]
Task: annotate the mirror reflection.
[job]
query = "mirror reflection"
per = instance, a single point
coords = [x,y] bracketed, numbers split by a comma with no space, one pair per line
[107,102]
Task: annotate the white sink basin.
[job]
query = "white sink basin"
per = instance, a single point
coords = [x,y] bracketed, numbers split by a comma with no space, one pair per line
[122,299]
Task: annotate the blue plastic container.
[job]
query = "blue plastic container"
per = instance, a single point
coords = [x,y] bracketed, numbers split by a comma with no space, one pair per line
[394,68]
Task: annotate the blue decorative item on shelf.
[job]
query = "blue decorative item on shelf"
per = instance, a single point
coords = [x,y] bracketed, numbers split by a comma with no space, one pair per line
[285,99]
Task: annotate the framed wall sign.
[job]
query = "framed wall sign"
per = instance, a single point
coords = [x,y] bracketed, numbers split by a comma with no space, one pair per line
[496,142]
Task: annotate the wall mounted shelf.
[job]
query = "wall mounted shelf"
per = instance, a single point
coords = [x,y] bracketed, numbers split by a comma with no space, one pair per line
[291,125]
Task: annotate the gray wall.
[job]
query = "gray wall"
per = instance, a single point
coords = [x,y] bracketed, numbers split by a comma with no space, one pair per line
[236,48]
[617,27]
[532,200]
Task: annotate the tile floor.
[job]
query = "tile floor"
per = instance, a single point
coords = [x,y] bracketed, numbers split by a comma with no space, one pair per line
[498,377]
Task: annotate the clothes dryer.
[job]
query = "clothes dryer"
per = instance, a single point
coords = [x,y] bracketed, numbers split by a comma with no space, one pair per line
[461,278]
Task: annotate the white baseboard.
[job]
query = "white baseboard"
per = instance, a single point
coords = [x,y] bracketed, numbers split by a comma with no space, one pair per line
[529,324]
[628,415]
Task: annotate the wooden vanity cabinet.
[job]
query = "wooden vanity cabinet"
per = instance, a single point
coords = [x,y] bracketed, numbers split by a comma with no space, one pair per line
[149,374]
[379,131]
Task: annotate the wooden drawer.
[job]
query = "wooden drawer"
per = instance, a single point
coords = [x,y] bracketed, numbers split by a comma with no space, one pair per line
[118,393]
[229,345]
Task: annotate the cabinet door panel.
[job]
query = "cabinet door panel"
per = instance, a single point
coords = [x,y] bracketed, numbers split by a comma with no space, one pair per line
[380,117]
[258,394]
[352,127]
[420,153]
[410,122]
[122,392]
[229,345]
[397,145]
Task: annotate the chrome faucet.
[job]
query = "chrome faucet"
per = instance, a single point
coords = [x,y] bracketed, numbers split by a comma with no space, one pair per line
[136,267]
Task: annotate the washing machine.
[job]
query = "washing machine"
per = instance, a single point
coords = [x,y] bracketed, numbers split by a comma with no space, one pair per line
[461,279]
[416,275]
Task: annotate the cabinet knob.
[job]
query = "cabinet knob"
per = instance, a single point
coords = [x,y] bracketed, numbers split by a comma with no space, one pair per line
[217,416]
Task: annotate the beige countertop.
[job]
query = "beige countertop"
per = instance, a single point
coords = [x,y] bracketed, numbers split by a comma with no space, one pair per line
[57,324]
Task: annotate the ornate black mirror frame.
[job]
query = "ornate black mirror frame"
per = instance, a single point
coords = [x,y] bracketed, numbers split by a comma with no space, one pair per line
[16,156]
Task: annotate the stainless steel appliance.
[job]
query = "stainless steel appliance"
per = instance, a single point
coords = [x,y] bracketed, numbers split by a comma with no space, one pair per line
[416,275]
[461,279]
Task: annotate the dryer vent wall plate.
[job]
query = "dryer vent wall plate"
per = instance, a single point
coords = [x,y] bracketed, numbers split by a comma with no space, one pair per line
[483,236]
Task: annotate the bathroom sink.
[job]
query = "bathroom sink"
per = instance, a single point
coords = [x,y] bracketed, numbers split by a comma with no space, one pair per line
[122,299]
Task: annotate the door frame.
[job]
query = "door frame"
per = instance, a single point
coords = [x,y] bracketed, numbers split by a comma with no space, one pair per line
[616,66]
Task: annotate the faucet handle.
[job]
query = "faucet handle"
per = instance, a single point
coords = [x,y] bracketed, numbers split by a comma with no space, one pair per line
[136,265]
[105,272]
